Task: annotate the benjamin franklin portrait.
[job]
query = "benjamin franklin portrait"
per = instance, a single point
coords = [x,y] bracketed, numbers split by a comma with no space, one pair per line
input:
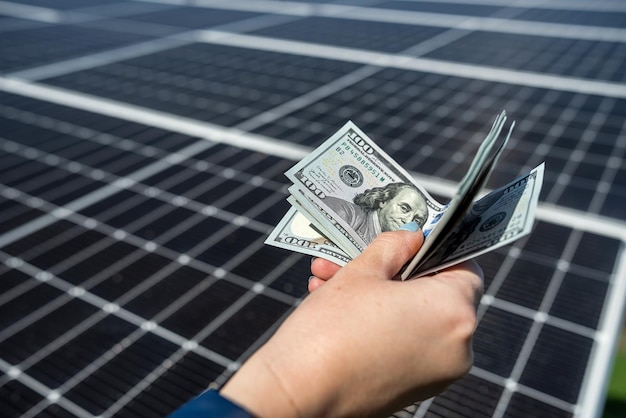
[381,209]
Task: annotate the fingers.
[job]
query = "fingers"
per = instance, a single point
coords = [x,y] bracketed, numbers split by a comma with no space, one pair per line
[386,255]
[315,282]
[324,269]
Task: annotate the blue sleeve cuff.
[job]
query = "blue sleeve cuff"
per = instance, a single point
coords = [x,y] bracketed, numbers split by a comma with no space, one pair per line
[210,404]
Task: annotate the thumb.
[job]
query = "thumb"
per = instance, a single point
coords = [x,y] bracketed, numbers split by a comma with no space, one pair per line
[388,253]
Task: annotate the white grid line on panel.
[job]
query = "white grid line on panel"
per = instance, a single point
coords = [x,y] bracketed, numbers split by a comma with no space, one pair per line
[598,6]
[405,62]
[42,14]
[191,127]
[522,27]
[109,10]
[491,24]
[100,58]
[537,325]
[164,42]
[595,383]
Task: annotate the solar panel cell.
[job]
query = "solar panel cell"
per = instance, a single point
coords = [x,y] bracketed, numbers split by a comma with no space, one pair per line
[222,188]
[490,264]
[232,243]
[527,281]
[141,206]
[66,189]
[443,7]
[130,361]
[14,309]
[30,245]
[555,366]
[260,263]
[94,261]
[64,246]
[567,57]
[22,170]
[579,17]
[55,411]
[126,279]
[597,252]
[243,329]
[156,229]
[202,306]
[290,281]
[179,382]
[578,299]
[613,205]
[525,406]
[14,214]
[499,339]
[10,279]
[454,404]
[273,214]
[55,366]
[548,240]
[18,398]
[160,295]
[195,234]
[44,325]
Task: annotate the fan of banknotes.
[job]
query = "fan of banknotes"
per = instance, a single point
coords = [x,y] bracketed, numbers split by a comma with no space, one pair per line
[349,190]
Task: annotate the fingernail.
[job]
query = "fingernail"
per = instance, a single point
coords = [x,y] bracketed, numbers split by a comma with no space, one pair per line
[311,278]
[411,227]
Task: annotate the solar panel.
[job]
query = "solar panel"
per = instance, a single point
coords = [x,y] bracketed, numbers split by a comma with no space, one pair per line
[142,152]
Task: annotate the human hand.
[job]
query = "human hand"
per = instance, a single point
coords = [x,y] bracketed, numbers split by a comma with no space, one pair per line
[363,344]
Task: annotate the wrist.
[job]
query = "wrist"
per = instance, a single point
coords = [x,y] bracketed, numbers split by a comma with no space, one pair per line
[257,388]
[279,382]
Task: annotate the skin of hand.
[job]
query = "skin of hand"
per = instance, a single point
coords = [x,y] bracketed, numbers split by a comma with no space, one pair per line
[362,344]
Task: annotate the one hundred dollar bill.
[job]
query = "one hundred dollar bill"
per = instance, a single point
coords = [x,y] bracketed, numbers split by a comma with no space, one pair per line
[295,232]
[499,218]
[351,180]
[440,229]
[348,190]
